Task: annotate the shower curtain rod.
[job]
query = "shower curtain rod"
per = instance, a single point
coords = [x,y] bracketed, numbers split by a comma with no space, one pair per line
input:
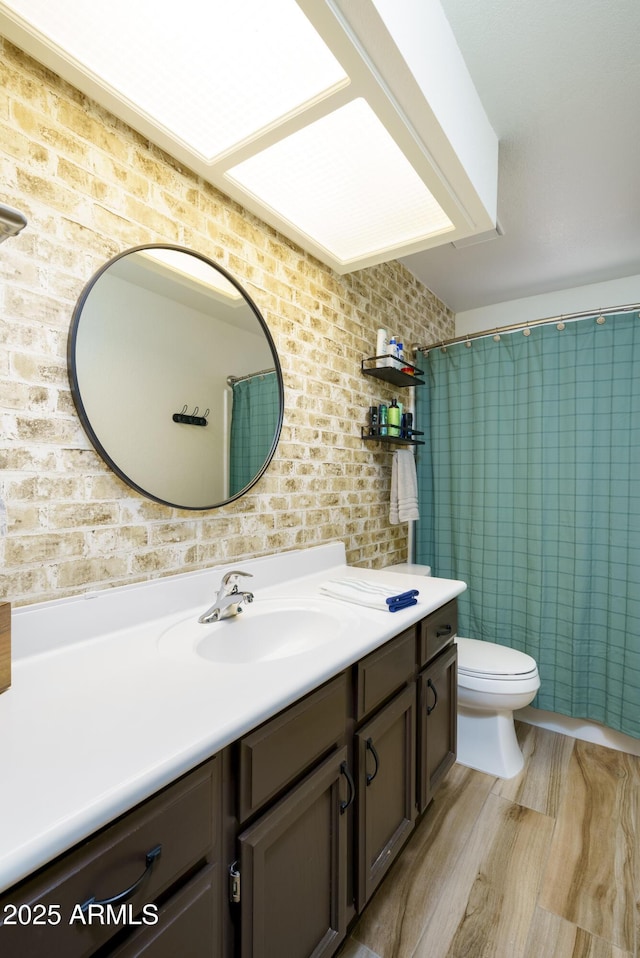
[629,308]
[232,380]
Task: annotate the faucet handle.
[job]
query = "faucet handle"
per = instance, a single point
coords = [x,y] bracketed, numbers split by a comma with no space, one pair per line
[232,578]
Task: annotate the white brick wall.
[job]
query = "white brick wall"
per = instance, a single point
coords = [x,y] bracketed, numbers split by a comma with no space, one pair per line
[90,188]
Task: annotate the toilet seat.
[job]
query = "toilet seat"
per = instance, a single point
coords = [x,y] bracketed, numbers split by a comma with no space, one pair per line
[485,665]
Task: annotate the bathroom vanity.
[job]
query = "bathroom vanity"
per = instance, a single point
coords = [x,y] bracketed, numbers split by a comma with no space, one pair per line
[236,808]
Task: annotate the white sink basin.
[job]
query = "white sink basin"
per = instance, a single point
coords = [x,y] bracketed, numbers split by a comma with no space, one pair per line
[266,630]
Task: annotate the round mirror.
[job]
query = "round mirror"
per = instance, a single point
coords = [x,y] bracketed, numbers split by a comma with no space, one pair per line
[175,377]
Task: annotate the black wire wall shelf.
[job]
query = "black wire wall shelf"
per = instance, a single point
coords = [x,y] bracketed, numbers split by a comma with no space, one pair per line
[400,440]
[392,371]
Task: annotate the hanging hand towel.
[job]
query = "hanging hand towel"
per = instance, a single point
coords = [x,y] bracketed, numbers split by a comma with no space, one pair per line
[374,596]
[404,488]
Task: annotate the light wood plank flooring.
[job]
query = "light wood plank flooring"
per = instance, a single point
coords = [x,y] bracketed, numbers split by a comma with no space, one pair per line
[546,865]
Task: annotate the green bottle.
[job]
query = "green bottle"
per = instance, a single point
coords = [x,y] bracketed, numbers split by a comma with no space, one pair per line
[393,418]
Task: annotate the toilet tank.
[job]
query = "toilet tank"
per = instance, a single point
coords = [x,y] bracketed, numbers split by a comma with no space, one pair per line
[409,568]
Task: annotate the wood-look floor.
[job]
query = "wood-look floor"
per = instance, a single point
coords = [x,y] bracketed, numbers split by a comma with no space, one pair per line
[546,865]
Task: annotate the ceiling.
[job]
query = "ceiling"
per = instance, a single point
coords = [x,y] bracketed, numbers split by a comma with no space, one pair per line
[555,82]
[326,118]
[560,83]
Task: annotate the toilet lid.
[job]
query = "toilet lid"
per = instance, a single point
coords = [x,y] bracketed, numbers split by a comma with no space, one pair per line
[488,659]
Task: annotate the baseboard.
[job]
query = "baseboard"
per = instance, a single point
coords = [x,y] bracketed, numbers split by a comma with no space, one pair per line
[579,728]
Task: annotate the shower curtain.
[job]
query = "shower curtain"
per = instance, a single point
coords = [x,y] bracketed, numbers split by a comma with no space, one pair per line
[530,493]
[254,419]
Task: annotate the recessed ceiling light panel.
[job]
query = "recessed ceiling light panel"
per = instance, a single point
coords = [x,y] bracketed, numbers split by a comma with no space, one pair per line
[344,182]
[214,73]
[305,112]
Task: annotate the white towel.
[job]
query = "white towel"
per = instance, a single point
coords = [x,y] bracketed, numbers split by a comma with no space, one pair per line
[373,595]
[404,488]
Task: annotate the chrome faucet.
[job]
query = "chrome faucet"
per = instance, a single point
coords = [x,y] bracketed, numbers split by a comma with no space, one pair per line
[230,599]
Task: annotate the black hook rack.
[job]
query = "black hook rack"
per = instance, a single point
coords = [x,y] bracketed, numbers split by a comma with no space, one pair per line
[192,419]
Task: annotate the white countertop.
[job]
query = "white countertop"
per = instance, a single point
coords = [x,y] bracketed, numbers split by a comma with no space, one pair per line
[98,718]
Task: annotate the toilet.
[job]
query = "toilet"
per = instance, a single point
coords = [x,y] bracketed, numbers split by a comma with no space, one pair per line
[493,681]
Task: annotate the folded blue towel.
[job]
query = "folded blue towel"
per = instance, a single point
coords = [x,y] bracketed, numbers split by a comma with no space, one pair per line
[402,597]
[396,606]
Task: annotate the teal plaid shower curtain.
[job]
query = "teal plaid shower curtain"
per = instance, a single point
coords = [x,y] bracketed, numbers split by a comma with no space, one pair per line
[530,492]
[254,420]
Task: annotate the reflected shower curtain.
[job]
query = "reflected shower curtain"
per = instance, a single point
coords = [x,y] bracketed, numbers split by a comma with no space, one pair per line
[254,419]
[530,492]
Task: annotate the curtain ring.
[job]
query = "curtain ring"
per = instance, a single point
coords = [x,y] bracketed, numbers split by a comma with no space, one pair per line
[560,326]
[526,331]
[600,320]
[496,337]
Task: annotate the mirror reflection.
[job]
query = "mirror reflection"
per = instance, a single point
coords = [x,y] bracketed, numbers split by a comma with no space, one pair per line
[175,377]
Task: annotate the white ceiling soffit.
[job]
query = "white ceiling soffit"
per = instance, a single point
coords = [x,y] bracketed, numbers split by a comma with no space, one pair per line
[351,126]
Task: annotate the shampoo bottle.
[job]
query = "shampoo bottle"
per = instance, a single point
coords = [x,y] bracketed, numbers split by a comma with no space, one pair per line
[382,344]
[393,418]
[383,414]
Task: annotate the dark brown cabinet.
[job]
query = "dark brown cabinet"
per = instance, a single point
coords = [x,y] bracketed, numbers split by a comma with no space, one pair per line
[437,723]
[129,885]
[273,756]
[293,860]
[271,848]
[437,699]
[293,867]
[386,810]
[188,925]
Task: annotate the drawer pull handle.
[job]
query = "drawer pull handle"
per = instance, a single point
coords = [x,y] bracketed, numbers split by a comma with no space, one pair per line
[150,860]
[445,630]
[371,748]
[344,770]
[431,686]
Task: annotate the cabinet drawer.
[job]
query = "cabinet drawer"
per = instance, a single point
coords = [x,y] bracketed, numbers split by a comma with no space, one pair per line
[181,820]
[385,671]
[188,924]
[437,630]
[284,747]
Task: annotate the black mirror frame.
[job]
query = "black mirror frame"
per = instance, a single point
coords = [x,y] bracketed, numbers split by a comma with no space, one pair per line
[82,413]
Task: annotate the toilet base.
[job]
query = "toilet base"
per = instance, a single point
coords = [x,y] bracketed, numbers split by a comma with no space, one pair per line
[487,742]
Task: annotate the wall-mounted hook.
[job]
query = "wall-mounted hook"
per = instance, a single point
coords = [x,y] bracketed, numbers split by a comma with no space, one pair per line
[190,420]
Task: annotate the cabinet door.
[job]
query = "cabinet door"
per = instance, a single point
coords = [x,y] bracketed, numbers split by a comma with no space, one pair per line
[437,724]
[293,865]
[386,750]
